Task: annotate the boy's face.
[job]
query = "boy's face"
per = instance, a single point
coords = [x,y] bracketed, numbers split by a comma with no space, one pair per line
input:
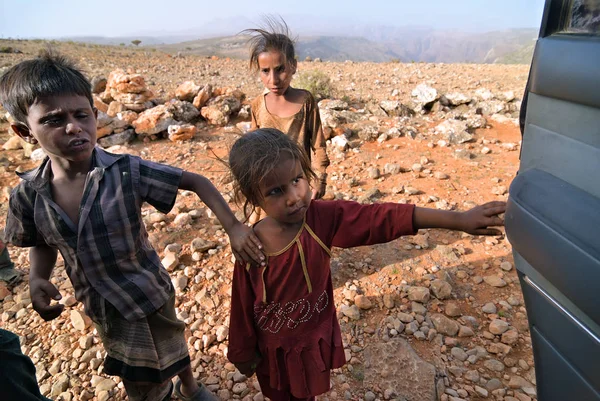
[64,126]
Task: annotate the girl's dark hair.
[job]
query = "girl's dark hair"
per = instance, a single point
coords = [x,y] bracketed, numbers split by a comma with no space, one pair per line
[51,74]
[274,35]
[254,156]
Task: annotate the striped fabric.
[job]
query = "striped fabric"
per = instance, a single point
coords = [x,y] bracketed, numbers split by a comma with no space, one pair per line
[108,255]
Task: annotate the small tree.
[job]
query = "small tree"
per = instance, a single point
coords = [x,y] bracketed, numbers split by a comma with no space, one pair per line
[136,42]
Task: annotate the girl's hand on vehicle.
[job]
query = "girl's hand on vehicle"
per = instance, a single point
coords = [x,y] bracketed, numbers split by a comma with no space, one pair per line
[478,220]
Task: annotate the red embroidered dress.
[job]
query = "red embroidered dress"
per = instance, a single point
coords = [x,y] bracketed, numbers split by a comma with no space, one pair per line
[286,311]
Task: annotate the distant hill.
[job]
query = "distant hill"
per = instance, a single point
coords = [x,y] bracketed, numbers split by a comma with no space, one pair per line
[378,44]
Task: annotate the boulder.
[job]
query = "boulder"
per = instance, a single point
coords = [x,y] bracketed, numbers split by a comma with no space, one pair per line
[444,325]
[154,120]
[187,91]
[404,374]
[181,132]
[424,94]
[122,138]
[202,97]
[455,131]
[183,111]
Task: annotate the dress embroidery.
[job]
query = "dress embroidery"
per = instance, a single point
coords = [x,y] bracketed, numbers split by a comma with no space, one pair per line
[273,316]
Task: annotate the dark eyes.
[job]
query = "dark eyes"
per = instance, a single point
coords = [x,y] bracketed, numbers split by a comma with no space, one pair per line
[279,69]
[57,120]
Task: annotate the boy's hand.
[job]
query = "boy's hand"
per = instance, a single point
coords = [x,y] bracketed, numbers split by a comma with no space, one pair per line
[42,291]
[245,244]
[477,220]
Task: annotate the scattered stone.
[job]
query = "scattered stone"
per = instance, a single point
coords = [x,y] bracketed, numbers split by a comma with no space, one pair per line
[444,325]
[459,354]
[510,337]
[181,132]
[452,309]
[419,294]
[363,302]
[397,365]
[498,326]
[494,281]
[494,365]
[489,308]
[465,331]
[80,320]
[351,312]
[202,245]
[441,289]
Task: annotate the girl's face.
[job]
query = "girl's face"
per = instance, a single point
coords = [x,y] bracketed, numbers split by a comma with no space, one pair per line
[286,192]
[275,73]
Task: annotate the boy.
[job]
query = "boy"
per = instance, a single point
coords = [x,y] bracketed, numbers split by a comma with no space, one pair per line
[86,203]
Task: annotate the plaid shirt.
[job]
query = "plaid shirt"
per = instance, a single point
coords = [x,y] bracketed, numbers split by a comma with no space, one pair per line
[108,255]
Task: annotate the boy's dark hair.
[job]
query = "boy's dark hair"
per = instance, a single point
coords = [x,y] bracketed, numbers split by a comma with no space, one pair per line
[254,155]
[50,74]
[274,36]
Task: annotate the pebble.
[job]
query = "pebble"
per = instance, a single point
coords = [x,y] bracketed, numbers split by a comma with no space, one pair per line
[459,354]
[351,312]
[498,326]
[465,331]
[452,309]
[239,388]
[493,384]
[489,308]
[373,173]
[494,365]
[444,325]
[418,308]
[472,375]
[506,266]
[441,289]
[494,281]
[370,396]
[405,317]
[419,294]
[363,302]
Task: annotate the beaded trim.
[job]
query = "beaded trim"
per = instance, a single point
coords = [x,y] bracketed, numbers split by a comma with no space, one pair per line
[272,317]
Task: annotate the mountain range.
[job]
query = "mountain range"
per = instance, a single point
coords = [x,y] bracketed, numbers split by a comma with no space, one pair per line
[338,42]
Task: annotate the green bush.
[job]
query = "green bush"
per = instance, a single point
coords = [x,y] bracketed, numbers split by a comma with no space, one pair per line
[316,82]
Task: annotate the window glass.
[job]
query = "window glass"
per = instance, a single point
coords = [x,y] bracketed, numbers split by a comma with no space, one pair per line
[584,17]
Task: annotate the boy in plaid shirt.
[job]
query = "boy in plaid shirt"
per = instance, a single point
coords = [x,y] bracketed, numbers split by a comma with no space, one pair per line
[86,203]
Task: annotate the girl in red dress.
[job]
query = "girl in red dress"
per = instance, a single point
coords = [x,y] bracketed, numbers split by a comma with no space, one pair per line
[283,323]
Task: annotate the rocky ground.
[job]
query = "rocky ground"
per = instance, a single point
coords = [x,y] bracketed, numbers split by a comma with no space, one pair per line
[438,315]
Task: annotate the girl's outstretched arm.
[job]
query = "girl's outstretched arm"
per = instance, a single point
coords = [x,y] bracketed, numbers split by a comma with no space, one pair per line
[475,221]
[244,243]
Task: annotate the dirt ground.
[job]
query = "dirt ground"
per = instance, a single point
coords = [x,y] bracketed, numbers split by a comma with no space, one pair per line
[460,259]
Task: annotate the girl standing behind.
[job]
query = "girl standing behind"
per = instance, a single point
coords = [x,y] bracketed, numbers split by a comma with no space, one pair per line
[283,321]
[290,110]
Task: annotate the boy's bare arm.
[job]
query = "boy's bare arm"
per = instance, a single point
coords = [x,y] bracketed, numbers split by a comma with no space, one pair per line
[244,243]
[475,221]
[42,259]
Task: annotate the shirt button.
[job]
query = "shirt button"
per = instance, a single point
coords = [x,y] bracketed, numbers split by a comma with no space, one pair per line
[82,248]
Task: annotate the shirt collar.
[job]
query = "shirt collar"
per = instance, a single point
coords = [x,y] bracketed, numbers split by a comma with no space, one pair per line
[40,176]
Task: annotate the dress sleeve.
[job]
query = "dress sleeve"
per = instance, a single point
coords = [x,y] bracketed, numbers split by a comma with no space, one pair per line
[20,225]
[242,332]
[317,138]
[254,105]
[158,184]
[357,225]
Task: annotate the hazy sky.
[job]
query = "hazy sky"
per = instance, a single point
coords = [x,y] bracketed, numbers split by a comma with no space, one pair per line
[57,18]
